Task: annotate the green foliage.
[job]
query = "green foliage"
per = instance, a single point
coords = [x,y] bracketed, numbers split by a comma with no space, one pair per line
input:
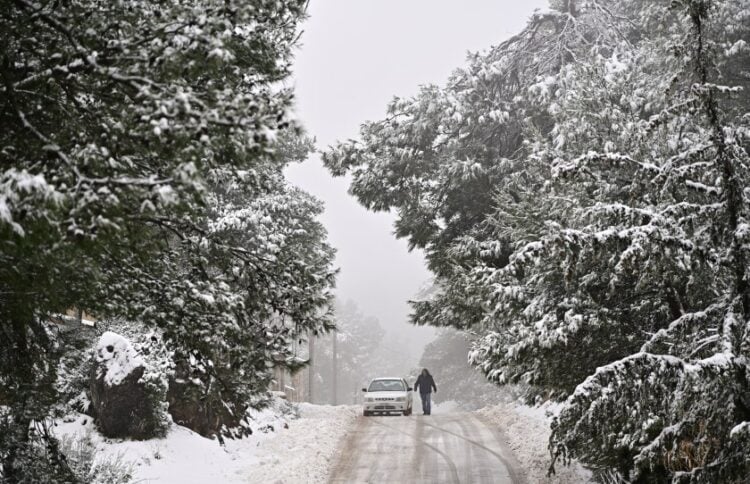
[35,453]
[580,192]
[125,126]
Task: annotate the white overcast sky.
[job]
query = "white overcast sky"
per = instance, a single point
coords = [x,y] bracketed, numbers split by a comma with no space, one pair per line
[355,56]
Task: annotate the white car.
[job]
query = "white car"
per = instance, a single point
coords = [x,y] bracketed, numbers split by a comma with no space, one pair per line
[387,395]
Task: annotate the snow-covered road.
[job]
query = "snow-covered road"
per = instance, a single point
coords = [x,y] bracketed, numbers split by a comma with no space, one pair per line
[504,443]
[449,448]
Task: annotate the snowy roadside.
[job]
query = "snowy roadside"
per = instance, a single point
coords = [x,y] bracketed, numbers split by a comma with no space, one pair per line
[308,450]
[527,431]
[282,449]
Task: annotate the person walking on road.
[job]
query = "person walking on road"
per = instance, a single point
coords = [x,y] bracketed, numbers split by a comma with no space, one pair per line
[426,385]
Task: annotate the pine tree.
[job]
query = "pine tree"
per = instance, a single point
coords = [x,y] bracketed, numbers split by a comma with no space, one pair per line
[678,409]
[123,125]
[598,161]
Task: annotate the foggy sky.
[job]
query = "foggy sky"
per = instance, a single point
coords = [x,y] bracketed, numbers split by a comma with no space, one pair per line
[355,56]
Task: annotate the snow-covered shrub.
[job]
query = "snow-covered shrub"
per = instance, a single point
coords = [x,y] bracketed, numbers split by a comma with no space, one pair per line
[273,416]
[90,467]
[75,343]
[145,351]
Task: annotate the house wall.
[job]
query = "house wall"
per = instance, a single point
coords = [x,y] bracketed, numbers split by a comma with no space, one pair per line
[294,386]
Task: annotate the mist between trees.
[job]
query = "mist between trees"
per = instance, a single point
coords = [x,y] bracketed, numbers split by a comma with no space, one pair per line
[364,351]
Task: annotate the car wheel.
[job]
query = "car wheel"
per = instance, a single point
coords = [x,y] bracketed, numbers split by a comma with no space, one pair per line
[366,413]
[407,412]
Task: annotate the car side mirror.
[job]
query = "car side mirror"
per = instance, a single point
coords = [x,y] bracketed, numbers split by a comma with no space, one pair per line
[408,389]
[364,389]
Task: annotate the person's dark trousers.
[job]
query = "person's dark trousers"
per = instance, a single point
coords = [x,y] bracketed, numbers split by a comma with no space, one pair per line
[426,404]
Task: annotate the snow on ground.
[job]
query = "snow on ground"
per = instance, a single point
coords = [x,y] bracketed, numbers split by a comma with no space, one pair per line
[449,406]
[282,449]
[307,452]
[527,432]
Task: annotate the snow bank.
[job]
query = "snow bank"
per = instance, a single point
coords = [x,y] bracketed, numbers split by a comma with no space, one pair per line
[307,452]
[527,432]
[282,449]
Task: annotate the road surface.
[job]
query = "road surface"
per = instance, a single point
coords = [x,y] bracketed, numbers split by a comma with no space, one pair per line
[448,448]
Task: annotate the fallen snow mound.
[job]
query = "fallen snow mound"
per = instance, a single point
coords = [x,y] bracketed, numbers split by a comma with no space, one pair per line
[282,449]
[306,452]
[527,431]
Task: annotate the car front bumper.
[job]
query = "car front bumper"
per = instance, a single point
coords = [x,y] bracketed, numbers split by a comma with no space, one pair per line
[385,406]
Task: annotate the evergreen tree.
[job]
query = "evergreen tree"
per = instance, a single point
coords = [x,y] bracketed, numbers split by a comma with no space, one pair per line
[580,192]
[142,153]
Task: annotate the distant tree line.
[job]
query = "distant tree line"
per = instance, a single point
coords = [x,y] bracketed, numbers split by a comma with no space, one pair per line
[446,358]
[362,350]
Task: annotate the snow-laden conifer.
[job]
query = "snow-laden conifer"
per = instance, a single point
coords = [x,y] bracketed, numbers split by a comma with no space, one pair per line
[580,192]
[125,127]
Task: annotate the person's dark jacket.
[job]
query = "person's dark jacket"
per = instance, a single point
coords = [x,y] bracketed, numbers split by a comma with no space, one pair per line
[425,384]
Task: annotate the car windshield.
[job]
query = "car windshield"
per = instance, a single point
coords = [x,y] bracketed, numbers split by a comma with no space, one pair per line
[387,386]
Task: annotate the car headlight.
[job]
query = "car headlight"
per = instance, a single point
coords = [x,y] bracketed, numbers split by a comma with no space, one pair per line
[369,399]
[401,399]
